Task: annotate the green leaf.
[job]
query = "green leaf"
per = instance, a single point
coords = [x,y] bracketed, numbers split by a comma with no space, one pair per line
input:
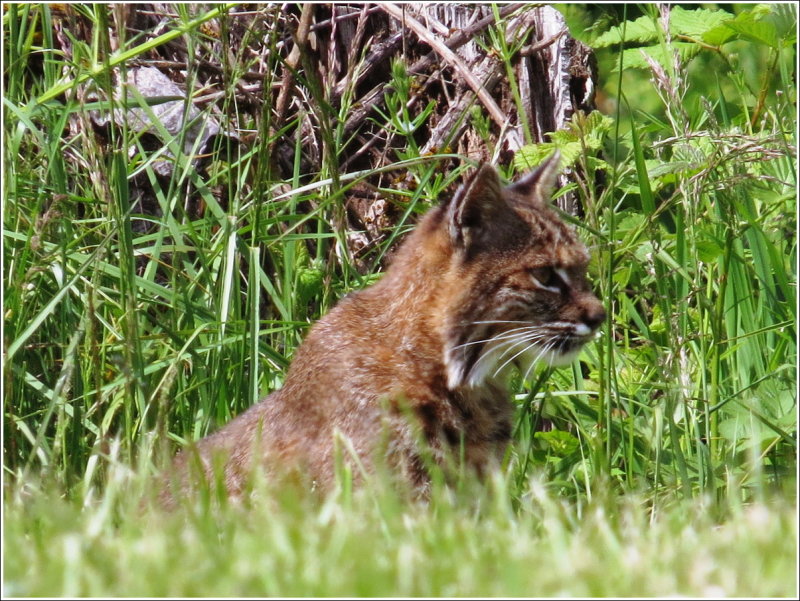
[760,32]
[696,23]
[558,442]
[309,284]
[670,172]
[583,132]
[634,58]
[709,248]
[642,29]
[784,18]
[532,155]
[718,35]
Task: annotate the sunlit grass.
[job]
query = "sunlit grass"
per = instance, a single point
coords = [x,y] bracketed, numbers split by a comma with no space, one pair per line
[371,543]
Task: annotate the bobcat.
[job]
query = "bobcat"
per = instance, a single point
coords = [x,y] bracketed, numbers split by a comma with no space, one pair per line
[491,279]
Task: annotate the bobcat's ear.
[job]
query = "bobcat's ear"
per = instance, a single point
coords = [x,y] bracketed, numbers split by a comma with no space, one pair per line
[537,186]
[475,206]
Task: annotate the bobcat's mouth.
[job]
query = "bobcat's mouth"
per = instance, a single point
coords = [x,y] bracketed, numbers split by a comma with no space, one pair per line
[566,344]
[573,339]
[559,352]
[554,344]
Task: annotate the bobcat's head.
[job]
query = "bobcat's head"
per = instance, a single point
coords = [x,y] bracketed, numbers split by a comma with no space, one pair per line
[525,297]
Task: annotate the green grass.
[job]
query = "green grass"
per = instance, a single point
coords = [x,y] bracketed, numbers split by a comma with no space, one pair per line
[670,468]
[373,544]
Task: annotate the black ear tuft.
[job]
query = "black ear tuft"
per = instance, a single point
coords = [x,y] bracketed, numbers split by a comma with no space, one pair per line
[537,186]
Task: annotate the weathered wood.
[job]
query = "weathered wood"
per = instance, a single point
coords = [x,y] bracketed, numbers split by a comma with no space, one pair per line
[346,52]
[556,81]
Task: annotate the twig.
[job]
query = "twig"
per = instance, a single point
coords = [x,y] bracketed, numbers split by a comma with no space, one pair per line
[541,45]
[452,124]
[465,35]
[301,37]
[451,57]
[374,96]
[339,18]
[376,56]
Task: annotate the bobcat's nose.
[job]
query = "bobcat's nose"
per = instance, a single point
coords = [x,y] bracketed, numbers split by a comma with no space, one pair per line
[594,315]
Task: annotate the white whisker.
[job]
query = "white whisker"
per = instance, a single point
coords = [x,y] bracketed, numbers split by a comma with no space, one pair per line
[502,336]
[518,342]
[497,352]
[545,349]
[510,342]
[501,321]
[533,340]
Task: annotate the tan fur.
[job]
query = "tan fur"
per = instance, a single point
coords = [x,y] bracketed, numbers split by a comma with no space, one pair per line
[403,359]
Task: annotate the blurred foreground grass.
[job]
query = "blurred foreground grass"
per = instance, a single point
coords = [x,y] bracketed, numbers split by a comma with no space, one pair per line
[371,543]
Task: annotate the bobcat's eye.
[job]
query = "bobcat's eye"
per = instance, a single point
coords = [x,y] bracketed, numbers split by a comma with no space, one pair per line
[547,278]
